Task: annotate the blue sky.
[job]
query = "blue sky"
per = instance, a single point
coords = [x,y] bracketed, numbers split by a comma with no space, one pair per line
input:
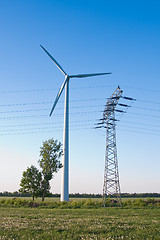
[121,37]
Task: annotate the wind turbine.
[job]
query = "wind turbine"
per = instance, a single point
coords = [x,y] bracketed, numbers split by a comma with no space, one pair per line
[65,174]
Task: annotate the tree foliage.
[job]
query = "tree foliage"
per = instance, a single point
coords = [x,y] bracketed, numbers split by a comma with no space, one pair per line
[50,153]
[36,182]
[31,181]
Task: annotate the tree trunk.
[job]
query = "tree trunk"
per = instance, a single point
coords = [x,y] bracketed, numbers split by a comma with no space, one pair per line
[43,194]
[43,197]
[33,197]
[44,190]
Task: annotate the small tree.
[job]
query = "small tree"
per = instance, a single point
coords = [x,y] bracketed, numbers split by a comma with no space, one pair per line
[31,181]
[49,162]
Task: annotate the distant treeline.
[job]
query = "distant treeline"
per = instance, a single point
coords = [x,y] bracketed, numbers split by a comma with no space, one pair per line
[83,195]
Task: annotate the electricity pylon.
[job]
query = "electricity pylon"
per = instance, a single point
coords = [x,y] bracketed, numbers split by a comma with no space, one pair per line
[111,185]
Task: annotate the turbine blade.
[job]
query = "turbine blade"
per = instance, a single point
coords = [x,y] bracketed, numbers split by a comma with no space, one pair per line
[58,95]
[54,60]
[87,75]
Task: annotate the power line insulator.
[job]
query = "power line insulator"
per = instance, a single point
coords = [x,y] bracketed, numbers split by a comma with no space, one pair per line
[123,105]
[129,98]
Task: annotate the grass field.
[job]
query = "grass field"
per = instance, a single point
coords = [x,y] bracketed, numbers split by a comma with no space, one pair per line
[55,199]
[103,223]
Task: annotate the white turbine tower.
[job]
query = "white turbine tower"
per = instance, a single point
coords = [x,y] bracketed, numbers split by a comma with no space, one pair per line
[65,174]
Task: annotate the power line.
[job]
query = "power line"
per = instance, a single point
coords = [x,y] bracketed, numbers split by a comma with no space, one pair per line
[40,128]
[146,101]
[46,123]
[147,115]
[78,121]
[142,123]
[27,110]
[73,100]
[131,131]
[75,107]
[29,90]
[84,87]
[51,102]
[150,109]
[47,109]
[154,130]
[142,89]
[51,89]
[33,132]
[23,104]
[58,129]
[43,115]
[72,113]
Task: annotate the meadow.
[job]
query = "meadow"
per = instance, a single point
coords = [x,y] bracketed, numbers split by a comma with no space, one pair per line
[102,223]
[55,199]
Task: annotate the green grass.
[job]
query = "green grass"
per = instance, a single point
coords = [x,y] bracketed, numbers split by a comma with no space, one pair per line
[55,199]
[104,223]
[47,199]
[83,204]
[52,199]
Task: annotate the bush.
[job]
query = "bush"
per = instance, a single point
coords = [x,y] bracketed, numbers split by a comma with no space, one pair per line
[18,202]
[84,204]
[111,203]
[89,203]
[76,204]
[139,203]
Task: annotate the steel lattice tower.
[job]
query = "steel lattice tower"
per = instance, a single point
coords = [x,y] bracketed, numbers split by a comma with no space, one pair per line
[111,185]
